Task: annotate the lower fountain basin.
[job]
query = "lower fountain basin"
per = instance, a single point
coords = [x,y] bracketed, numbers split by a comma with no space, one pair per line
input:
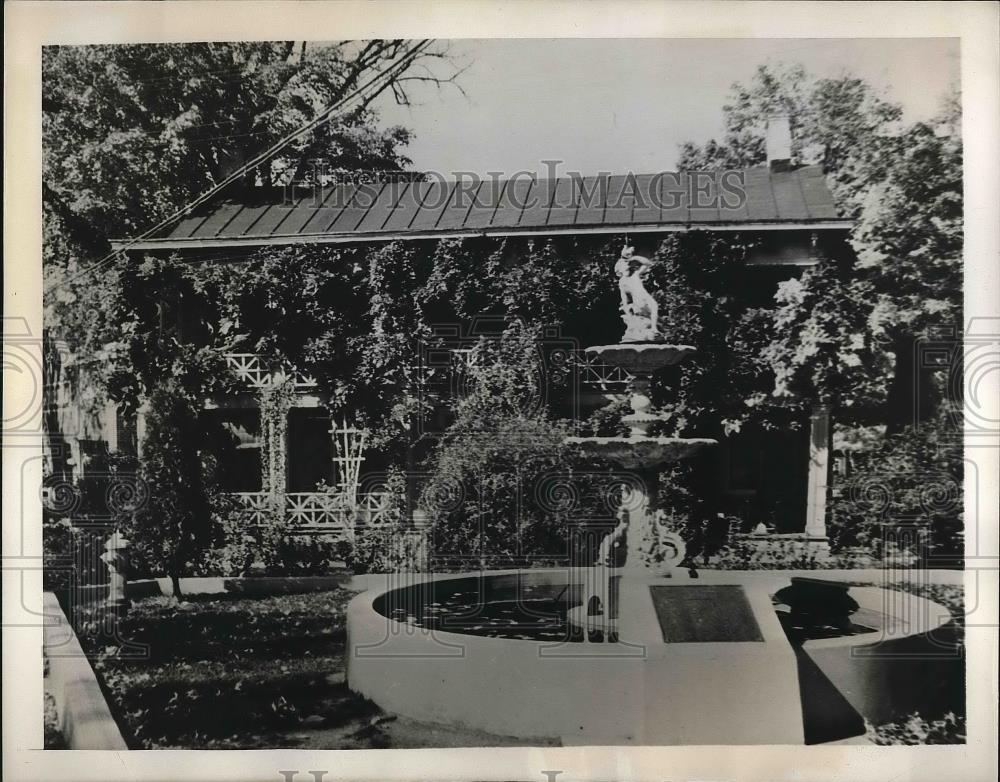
[636,452]
[494,651]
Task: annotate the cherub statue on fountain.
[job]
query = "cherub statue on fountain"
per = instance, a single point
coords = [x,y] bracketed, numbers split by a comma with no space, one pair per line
[640,311]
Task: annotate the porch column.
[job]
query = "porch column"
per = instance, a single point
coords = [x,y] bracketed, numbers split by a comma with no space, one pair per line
[140,427]
[109,426]
[819,466]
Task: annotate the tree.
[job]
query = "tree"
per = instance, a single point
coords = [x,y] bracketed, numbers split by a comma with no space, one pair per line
[131,133]
[908,239]
[172,527]
[837,122]
[823,346]
[904,189]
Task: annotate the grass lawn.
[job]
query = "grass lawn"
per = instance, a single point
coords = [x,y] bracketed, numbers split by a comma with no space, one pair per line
[249,673]
[246,673]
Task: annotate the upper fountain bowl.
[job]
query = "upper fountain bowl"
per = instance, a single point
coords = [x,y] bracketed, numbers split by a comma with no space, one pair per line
[642,358]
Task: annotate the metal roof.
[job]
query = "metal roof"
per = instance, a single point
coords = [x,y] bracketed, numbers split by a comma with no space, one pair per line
[774,200]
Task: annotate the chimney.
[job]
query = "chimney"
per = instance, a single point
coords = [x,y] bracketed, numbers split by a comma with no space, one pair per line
[778,140]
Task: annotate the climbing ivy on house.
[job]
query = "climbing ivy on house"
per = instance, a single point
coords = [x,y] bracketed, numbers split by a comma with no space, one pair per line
[275,400]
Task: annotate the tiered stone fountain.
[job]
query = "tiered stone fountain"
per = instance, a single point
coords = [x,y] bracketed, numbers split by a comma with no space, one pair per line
[651,549]
[681,661]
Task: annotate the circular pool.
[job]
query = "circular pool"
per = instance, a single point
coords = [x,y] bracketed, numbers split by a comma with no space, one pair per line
[496,651]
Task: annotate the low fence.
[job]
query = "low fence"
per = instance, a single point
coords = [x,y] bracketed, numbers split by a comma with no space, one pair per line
[372,522]
[320,511]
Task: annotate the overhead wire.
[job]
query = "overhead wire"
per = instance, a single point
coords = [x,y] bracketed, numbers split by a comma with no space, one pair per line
[389,73]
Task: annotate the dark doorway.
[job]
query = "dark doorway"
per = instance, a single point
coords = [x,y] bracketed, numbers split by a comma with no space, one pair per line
[764,477]
[310,448]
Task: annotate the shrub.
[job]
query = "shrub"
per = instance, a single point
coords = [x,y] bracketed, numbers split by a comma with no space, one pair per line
[272,548]
[488,492]
[386,542]
[747,554]
[911,478]
[62,545]
[384,549]
[915,729]
[302,555]
[235,546]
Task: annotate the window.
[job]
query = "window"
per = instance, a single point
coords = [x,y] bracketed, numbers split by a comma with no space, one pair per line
[234,441]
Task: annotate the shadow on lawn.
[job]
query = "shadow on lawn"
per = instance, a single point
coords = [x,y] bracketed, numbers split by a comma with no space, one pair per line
[230,673]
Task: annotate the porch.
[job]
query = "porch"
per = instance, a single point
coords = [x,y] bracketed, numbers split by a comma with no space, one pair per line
[779,479]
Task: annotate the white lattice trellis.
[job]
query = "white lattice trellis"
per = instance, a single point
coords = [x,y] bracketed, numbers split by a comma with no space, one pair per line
[253,370]
[349,448]
[317,509]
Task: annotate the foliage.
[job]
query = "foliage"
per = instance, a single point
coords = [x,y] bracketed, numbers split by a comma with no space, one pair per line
[173,527]
[744,553]
[909,240]
[185,692]
[833,121]
[915,729]
[269,549]
[685,507]
[606,421]
[300,555]
[234,548]
[694,276]
[132,133]
[275,401]
[347,317]
[540,282]
[388,543]
[904,186]
[154,308]
[824,347]
[911,478]
[62,544]
[79,516]
[481,494]
[355,317]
